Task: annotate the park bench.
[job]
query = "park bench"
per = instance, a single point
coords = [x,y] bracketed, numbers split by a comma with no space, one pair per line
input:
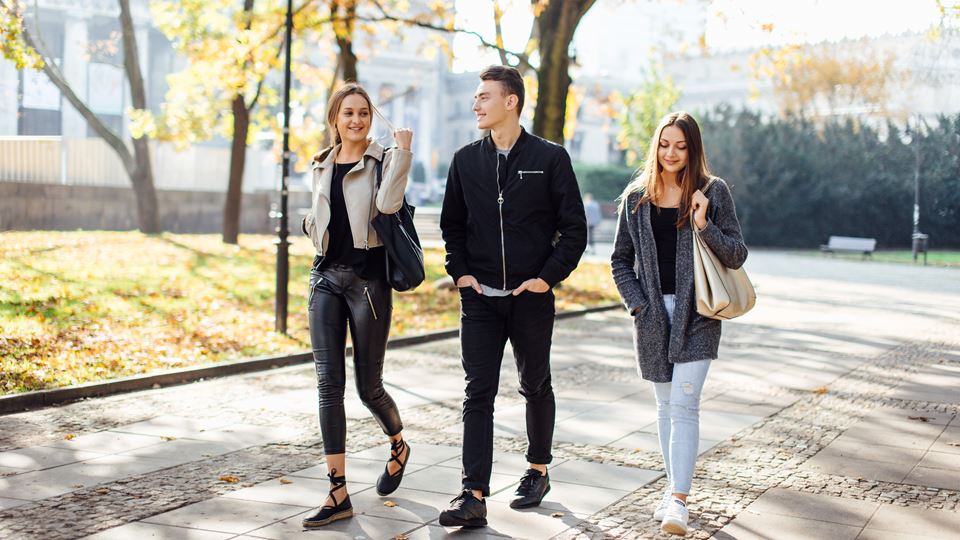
[866,246]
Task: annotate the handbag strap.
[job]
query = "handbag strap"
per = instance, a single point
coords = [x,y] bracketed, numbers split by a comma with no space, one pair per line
[380,167]
[704,191]
[373,198]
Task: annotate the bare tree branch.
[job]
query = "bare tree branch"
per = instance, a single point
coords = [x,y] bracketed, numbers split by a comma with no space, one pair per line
[523,60]
[497,17]
[60,81]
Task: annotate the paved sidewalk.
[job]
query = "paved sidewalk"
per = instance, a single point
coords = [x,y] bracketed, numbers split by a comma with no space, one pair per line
[831,413]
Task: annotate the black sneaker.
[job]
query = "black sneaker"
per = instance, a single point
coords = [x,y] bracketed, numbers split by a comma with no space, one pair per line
[328,514]
[533,488]
[465,511]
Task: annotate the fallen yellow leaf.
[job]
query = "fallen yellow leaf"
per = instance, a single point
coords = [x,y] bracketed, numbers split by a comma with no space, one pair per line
[168,438]
[69,437]
[229,478]
[820,390]
[389,504]
[285,481]
[557,515]
[400,536]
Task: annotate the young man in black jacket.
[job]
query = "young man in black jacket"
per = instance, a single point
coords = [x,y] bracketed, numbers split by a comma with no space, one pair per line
[514,226]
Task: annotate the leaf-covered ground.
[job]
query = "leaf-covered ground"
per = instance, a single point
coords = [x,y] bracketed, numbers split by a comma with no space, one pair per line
[85,306]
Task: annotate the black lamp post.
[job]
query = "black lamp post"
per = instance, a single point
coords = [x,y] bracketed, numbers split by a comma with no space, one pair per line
[918,239]
[283,246]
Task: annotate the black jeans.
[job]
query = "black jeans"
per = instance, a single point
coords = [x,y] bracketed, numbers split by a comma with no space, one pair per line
[338,298]
[486,323]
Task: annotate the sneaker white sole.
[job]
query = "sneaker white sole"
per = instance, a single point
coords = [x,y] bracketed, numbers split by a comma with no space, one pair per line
[659,513]
[674,527]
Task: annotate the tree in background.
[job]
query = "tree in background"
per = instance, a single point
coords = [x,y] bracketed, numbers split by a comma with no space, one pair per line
[231,54]
[230,48]
[547,55]
[25,47]
[639,112]
[556,23]
[828,79]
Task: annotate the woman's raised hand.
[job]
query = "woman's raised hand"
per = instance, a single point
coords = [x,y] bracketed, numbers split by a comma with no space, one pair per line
[404,138]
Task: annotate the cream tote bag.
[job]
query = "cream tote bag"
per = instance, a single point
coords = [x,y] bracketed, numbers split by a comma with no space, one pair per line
[721,293]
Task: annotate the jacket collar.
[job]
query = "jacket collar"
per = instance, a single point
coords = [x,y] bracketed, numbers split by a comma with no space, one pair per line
[325,158]
[490,147]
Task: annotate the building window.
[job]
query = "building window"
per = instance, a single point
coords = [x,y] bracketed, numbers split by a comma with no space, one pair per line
[105,77]
[39,99]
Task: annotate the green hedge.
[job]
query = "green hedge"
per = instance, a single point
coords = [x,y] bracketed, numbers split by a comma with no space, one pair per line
[605,182]
[795,183]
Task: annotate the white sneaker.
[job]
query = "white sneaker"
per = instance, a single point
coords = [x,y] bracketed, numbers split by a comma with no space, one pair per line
[675,518]
[662,507]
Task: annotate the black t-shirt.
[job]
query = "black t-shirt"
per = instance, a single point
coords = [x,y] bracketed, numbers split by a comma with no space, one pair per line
[367,263]
[664,224]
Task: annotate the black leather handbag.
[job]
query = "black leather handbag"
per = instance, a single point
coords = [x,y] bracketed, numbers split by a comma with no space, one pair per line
[404,254]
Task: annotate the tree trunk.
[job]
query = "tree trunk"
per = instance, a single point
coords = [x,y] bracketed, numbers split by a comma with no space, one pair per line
[346,67]
[238,154]
[148,213]
[238,158]
[348,59]
[558,20]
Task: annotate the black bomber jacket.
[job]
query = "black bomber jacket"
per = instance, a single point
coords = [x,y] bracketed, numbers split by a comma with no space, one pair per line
[506,220]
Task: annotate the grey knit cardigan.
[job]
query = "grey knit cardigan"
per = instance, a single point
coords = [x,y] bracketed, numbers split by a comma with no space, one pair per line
[634,266]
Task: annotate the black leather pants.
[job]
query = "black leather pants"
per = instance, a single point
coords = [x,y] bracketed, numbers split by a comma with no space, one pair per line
[338,299]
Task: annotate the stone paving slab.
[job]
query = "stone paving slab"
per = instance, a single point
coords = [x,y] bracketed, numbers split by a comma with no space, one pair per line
[358,528]
[106,442]
[919,522]
[6,502]
[751,526]
[138,530]
[787,502]
[177,426]
[938,478]
[412,505]
[41,457]
[293,490]
[228,515]
[948,442]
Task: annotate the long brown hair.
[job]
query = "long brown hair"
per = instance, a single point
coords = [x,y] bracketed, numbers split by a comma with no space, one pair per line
[333,106]
[649,182]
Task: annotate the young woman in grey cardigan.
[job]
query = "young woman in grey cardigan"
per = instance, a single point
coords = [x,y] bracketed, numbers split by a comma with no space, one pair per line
[652,265]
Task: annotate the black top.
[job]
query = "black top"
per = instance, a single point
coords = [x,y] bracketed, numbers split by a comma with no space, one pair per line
[500,215]
[664,224]
[367,263]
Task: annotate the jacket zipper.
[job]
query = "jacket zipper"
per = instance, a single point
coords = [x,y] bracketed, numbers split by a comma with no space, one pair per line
[366,291]
[503,248]
[528,172]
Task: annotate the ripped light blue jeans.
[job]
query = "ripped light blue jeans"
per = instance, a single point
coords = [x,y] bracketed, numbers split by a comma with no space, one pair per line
[678,417]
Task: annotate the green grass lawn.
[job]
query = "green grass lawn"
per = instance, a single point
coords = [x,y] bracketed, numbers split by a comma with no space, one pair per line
[85,306]
[905,256]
